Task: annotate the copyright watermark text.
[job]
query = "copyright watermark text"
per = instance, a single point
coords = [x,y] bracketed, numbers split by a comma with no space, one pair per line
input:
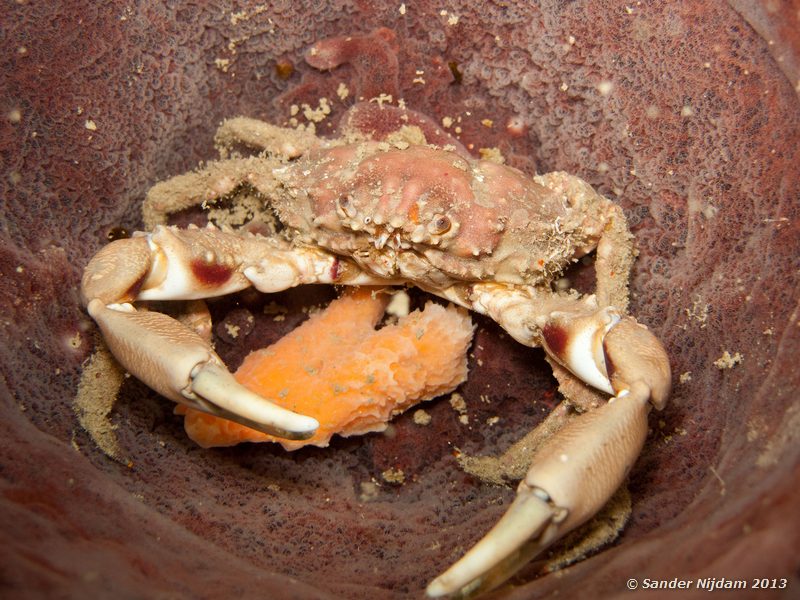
[709,584]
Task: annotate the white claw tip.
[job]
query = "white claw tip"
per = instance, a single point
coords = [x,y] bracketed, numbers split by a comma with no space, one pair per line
[305,425]
[435,589]
[226,397]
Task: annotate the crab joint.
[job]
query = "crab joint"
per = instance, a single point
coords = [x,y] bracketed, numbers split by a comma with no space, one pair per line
[633,355]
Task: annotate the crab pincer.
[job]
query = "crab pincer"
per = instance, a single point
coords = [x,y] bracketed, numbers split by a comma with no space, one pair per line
[160,351]
[584,463]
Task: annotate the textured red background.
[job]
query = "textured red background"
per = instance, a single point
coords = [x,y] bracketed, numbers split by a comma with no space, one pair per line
[698,140]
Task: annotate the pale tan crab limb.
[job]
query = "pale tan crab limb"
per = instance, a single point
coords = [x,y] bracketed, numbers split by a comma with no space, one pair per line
[582,465]
[614,260]
[573,330]
[279,141]
[570,479]
[181,366]
[633,356]
[117,271]
[515,308]
[569,328]
[604,226]
[219,178]
[214,181]
[174,264]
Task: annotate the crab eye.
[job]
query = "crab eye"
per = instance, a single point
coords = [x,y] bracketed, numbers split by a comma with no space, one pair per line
[345,204]
[439,225]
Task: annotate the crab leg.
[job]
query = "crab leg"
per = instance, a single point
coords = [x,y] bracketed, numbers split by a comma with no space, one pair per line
[172,264]
[582,465]
[221,177]
[615,247]
[206,185]
[280,141]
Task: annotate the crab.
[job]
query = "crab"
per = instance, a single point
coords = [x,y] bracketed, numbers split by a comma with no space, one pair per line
[363,212]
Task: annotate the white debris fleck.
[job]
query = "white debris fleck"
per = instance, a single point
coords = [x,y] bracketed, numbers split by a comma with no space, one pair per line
[605,87]
[728,360]
[399,305]
[698,311]
[394,476]
[382,99]
[563,284]
[710,211]
[319,113]
[369,491]
[458,403]
[422,417]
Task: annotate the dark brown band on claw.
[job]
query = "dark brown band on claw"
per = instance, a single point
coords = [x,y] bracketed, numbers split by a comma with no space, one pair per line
[210,274]
[134,290]
[555,338]
[335,269]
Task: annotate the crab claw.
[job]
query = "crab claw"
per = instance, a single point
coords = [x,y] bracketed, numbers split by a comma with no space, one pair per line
[178,364]
[570,479]
[583,464]
[166,355]
[576,341]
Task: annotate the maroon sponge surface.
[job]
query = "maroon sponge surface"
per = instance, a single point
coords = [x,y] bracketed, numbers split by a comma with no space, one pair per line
[686,113]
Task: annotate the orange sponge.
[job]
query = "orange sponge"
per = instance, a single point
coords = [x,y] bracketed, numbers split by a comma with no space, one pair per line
[337,368]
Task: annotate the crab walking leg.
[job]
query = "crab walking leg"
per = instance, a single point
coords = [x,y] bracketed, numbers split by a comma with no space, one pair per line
[173,264]
[582,465]
[281,141]
[216,180]
[614,260]
[615,245]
